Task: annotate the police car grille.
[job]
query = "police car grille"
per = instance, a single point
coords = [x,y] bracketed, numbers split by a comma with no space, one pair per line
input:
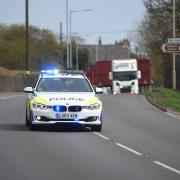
[74,108]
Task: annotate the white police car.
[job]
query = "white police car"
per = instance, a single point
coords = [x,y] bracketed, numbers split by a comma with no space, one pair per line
[63,97]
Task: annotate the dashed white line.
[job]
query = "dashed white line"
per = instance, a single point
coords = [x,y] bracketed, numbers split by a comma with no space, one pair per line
[139,154]
[167,167]
[120,145]
[129,149]
[100,135]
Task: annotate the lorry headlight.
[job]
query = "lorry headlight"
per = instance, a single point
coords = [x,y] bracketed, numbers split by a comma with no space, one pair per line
[92,107]
[40,106]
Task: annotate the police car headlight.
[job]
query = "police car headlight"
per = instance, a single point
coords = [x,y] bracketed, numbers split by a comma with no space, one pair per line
[92,107]
[40,106]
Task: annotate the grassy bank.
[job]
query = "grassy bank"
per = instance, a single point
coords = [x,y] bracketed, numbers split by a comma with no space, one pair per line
[167,98]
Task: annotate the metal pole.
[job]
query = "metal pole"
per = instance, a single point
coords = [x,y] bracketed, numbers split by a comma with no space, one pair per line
[61,45]
[77,55]
[174,54]
[70,34]
[27,36]
[70,21]
[97,52]
[67,32]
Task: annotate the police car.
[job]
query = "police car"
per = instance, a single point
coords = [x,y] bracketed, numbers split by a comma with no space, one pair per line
[63,97]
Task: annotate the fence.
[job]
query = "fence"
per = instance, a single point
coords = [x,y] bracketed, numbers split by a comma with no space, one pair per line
[16,84]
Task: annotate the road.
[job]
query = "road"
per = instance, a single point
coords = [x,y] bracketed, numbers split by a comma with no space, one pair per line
[138,142]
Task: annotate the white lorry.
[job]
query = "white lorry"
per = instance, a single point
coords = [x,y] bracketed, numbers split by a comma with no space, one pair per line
[125,76]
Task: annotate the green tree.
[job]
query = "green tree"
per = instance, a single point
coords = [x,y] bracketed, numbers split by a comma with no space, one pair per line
[153,32]
[43,46]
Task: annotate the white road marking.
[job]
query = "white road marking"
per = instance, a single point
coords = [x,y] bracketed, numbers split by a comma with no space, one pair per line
[120,145]
[100,135]
[172,115]
[9,97]
[139,154]
[166,167]
[129,149]
[3,98]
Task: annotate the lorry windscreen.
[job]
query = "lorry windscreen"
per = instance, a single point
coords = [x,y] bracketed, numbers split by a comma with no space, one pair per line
[124,76]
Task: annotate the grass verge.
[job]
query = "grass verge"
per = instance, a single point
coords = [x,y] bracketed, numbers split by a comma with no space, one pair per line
[166,98]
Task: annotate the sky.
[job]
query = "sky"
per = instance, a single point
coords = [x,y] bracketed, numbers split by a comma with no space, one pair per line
[109,19]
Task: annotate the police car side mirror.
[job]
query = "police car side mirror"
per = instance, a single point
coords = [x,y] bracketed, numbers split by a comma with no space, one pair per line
[28,89]
[98,90]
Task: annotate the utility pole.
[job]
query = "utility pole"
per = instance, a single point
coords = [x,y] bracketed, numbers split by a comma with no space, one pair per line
[77,55]
[27,36]
[174,54]
[97,52]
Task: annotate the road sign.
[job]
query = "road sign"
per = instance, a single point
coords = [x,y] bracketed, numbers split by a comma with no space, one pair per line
[170,48]
[173,40]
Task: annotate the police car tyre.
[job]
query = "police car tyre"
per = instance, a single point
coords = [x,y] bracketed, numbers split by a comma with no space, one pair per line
[97,128]
[27,120]
[32,127]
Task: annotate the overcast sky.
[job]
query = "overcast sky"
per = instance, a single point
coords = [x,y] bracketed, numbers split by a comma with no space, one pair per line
[110,19]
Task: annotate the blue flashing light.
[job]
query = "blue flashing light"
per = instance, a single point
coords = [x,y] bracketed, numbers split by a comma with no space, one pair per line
[76,119]
[50,71]
[58,108]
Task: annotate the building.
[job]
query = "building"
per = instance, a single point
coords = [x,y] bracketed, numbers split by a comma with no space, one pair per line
[111,51]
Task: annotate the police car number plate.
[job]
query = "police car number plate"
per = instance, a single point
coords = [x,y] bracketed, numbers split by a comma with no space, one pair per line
[66,116]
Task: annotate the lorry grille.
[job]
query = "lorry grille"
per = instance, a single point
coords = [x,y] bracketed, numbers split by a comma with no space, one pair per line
[126,89]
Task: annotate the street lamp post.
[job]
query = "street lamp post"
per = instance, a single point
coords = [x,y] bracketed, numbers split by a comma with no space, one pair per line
[67,32]
[27,36]
[70,29]
[174,55]
[61,45]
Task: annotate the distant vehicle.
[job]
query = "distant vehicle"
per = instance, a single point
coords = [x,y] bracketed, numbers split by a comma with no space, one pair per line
[122,76]
[63,97]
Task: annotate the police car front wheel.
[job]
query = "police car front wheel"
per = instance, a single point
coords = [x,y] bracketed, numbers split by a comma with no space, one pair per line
[97,128]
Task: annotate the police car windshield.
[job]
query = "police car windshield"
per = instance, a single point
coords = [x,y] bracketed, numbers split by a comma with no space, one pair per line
[63,85]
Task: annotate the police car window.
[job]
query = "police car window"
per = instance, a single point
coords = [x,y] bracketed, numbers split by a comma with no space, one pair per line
[63,85]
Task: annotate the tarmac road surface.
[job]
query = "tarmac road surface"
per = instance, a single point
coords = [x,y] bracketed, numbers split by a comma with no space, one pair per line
[138,142]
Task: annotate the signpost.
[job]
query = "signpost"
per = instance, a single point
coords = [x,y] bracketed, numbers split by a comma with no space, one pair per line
[170,48]
[173,40]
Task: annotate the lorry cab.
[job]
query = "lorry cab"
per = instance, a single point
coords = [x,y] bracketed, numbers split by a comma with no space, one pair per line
[125,76]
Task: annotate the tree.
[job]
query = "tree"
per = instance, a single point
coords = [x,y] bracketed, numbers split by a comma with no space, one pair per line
[153,31]
[43,47]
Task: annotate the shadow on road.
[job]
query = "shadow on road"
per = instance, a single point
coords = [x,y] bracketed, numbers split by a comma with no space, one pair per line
[62,128]
[12,127]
